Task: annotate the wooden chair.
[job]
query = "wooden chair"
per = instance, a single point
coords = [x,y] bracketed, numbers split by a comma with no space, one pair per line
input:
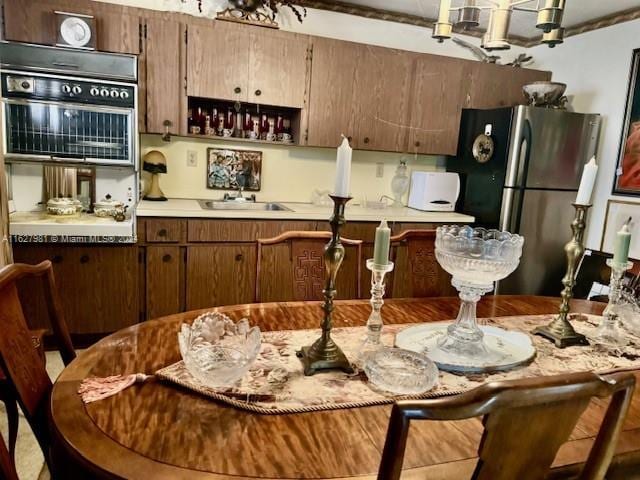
[413,251]
[7,467]
[298,272]
[26,380]
[525,423]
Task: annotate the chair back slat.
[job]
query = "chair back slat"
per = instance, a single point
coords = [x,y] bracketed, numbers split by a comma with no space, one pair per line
[7,468]
[291,267]
[525,423]
[540,428]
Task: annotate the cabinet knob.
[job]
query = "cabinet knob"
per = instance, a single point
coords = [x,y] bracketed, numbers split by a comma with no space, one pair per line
[349,138]
[239,257]
[166,258]
[258,92]
[417,144]
[84,259]
[162,232]
[237,90]
[57,259]
[366,139]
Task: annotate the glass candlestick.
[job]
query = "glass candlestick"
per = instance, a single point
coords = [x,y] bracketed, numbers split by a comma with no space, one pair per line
[609,332]
[372,341]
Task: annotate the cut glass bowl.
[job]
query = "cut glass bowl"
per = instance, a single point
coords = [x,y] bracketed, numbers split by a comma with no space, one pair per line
[475,258]
[401,372]
[217,351]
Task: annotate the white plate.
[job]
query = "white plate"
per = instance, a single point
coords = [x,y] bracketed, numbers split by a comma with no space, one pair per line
[512,349]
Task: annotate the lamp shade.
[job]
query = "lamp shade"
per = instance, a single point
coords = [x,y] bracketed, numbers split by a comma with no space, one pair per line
[154,162]
[554,37]
[468,15]
[550,17]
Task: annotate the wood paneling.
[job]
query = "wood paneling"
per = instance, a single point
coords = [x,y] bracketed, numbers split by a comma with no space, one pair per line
[163,80]
[332,100]
[165,230]
[218,61]
[117,26]
[277,68]
[98,286]
[220,275]
[495,86]
[164,285]
[436,105]
[383,93]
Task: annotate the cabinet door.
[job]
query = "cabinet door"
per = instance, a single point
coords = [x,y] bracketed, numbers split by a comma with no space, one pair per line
[332,100]
[164,279]
[436,105]
[218,61]
[222,274]
[495,86]
[278,68]
[382,96]
[98,286]
[163,82]
[117,26]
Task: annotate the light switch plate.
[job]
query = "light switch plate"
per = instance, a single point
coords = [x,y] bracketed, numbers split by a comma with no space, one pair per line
[192,158]
[379,170]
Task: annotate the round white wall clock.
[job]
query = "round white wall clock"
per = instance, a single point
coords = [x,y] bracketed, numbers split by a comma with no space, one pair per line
[75,31]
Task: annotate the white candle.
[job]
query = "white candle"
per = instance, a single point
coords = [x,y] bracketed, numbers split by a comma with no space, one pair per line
[586,183]
[343,169]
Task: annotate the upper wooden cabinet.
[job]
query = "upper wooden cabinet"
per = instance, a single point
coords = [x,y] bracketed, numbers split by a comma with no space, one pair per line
[436,104]
[117,26]
[162,85]
[249,64]
[495,86]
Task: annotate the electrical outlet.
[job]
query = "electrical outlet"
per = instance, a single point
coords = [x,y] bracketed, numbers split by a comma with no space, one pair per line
[192,158]
[379,170]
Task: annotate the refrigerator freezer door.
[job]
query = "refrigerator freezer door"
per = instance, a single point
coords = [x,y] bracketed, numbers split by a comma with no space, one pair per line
[545,224]
[549,147]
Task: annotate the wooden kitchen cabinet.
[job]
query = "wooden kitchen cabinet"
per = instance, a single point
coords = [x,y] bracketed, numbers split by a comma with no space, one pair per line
[218,60]
[223,274]
[278,68]
[33,21]
[332,101]
[98,286]
[164,279]
[495,86]
[383,93]
[436,105]
[163,36]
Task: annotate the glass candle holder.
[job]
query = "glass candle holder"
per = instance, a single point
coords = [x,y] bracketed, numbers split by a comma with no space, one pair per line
[609,332]
[372,340]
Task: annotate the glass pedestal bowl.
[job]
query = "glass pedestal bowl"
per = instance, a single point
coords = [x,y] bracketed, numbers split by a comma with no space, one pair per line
[475,258]
[216,351]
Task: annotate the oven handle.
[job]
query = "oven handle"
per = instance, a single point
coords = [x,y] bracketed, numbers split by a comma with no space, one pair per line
[68,159]
[78,106]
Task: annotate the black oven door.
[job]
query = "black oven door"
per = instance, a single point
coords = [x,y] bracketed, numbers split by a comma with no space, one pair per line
[40,130]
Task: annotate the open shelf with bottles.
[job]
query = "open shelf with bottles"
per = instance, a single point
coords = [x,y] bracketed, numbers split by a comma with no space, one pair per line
[224,120]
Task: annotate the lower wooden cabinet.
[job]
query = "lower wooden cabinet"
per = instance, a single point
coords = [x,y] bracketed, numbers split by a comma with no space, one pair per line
[98,286]
[220,274]
[164,276]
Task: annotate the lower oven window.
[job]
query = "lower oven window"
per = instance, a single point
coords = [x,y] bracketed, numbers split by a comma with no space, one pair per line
[102,134]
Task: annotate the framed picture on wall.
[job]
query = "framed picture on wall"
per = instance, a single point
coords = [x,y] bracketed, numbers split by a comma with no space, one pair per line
[627,178]
[618,212]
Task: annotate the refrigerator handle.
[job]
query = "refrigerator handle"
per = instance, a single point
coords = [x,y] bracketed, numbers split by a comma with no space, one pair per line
[513,197]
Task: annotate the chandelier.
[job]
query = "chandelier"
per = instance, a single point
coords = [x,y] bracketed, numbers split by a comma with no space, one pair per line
[500,11]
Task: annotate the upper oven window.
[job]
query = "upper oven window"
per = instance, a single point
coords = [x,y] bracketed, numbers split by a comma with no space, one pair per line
[101,134]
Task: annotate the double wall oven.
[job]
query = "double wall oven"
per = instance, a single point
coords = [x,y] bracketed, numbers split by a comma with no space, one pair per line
[68,106]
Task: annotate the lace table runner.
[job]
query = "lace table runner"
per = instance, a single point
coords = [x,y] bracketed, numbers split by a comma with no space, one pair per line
[264,390]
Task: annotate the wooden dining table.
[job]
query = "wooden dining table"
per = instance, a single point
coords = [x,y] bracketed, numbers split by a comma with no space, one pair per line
[156,431]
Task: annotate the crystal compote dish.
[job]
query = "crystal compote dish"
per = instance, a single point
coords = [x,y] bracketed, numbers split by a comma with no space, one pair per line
[217,351]
[475,257]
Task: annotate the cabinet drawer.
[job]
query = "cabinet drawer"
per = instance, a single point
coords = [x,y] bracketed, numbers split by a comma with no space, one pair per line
[241,230]
[164,230]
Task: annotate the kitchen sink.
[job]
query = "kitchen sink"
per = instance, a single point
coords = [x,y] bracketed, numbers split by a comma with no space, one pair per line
[233,205]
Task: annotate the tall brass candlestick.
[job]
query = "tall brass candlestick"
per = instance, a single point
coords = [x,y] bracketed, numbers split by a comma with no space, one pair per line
[324,353]
[560,331]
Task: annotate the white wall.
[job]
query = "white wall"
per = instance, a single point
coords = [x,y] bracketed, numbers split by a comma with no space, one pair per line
[595,66]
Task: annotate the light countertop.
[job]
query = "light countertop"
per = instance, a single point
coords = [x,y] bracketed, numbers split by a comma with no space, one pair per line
[298,211]
[39,227]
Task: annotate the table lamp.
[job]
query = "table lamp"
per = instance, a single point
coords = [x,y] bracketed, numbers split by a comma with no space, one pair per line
[155,163]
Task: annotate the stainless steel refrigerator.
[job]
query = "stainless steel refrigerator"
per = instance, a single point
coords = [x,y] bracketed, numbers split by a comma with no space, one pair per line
[527,185]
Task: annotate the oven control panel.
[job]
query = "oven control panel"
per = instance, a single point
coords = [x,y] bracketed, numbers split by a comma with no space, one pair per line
[68,90]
